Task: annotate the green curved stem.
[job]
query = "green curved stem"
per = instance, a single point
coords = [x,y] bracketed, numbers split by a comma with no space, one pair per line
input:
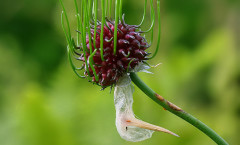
[90,2]
[102,29]
[110,9]
[83,30]
[95,22]
[106,7]
[120,10]
[78,21]
[177,111]
[159,31]
[116,26]
[152,13]
[91,64]
[144,13]
[88,17]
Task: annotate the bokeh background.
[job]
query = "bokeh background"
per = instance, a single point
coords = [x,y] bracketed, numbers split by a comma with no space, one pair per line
[42,102]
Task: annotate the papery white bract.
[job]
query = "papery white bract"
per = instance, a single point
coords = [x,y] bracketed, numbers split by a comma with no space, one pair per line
[130,128]
[123,100]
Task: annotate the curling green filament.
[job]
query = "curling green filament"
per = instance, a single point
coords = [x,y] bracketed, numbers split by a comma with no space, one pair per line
[152,17]
[116,25]
[110,9]
[102,29]
[90,9]
[106,7]
[72,65]
[130,64]
[120,10]
[95,22]
[144,13]
[64,30]
[88,14]
[128,54]
[159,29]
[69,41]
[78,21]
[66,17]
[81,10]
[91,64]
[83,30]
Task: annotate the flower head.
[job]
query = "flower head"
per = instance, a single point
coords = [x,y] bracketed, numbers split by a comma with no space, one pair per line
[108,48]
[131,50]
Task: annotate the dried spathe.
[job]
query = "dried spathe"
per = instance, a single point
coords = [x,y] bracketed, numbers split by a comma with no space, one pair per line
[130,128]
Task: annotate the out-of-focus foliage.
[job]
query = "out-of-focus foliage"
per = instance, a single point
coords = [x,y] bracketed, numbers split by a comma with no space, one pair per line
[42,102]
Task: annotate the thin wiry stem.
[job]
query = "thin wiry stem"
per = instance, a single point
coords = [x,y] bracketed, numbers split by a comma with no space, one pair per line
[159,30]
[90,9]
[81,10]
[102,29]
[152,18]
[78,21]
[95,21]
[106,7]
[83,30]
[116,26]
[72,65]
[91,64]
[88,14]
[176,110]
[152,12]
[130,64]
[144,14]
[110,9]
[66,18]
[69,40]
[63,27]
[120,10]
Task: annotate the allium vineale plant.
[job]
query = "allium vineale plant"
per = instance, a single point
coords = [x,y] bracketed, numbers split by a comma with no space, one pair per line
[110,52]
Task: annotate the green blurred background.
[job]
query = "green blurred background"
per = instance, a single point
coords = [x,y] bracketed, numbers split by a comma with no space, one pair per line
[42,102]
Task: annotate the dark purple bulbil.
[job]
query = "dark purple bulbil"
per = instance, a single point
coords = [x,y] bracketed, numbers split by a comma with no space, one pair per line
[130,51]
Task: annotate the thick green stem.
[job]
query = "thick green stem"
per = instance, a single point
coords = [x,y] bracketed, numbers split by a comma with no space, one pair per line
[176,110]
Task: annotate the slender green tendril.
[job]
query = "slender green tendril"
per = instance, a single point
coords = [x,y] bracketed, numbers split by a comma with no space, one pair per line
[120,10]
[152,12]
[159,30]
[95,21]
[144,14]
[110,9]
[91,64]
[88,14]
[66,18]
[106,7]
[90,9]
[78,22]
[81,10]
[102,30]
[63,27]
[73,66]
[83,30]
[69,40]
[152,18]
[130,64]
[116,26]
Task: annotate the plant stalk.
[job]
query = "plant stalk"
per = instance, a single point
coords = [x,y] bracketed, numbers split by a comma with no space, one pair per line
[177,111]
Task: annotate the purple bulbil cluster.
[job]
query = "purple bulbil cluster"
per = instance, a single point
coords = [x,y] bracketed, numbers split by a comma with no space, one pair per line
[130,51]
